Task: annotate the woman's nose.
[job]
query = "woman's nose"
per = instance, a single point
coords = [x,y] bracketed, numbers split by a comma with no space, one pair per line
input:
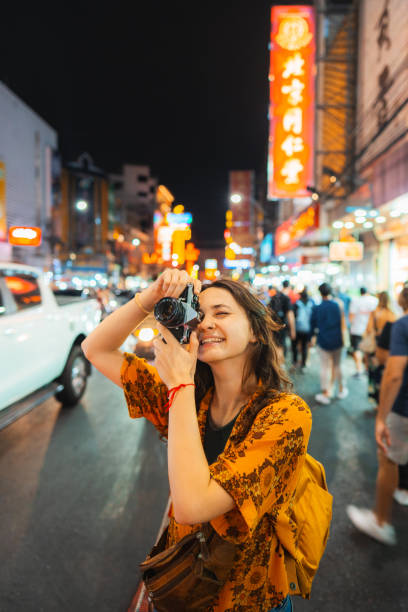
[206,322]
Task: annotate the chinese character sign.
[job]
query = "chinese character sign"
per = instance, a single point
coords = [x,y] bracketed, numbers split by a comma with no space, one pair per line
[291,106]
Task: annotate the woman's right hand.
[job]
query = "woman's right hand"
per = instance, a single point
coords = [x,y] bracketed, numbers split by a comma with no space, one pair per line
[170,283]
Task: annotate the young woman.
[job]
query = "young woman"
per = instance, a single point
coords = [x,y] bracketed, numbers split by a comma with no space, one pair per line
[236,440]
[380,318]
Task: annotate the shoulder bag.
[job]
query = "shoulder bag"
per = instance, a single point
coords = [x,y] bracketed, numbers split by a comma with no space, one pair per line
[189,574]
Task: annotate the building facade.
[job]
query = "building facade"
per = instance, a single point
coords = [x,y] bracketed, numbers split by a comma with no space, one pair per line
[27,155]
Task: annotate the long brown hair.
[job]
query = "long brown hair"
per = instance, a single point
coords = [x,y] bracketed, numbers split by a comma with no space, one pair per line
[263,359]
[383,300]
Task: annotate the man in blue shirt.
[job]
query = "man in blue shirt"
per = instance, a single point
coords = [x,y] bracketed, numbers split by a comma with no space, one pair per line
[328,319]
[391,433]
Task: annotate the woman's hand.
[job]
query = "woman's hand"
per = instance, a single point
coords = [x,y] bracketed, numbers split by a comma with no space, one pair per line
[174,362]
[382,435]
[171,283]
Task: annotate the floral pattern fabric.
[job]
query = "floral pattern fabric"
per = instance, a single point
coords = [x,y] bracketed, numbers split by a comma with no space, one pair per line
[260,473]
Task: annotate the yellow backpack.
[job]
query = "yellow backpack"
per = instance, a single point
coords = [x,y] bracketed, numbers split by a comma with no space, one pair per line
[310,516]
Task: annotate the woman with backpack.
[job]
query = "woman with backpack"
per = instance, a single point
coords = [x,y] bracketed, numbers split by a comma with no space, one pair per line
[303,314]
[237,439]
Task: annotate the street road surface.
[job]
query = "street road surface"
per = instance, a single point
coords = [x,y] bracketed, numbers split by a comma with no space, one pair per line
[83,493]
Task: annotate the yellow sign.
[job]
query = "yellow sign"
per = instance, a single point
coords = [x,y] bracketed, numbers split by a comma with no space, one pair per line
[346,251]
[3,216]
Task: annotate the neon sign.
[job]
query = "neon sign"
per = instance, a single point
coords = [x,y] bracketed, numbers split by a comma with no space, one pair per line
[291,108]
[28,236]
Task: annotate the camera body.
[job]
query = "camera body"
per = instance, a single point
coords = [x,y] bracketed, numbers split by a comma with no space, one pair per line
[180,315]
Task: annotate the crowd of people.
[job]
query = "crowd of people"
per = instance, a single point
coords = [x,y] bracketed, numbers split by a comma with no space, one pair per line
[367,328]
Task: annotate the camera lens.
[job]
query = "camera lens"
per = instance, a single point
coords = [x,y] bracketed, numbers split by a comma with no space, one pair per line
[169,311]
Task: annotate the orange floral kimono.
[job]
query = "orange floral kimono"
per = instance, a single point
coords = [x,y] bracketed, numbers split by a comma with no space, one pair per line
[259,473]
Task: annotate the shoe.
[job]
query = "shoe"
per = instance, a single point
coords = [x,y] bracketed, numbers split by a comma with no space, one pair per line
[365,520]
[322,399]
[343,394]
[401,496]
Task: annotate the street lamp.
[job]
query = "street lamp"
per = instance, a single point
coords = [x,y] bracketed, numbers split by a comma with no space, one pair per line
[81,205]
[236,198]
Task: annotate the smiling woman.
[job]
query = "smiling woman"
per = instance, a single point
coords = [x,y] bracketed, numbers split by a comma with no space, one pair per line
[237,438]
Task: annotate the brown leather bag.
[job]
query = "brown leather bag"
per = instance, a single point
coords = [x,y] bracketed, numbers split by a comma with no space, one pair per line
[190,574]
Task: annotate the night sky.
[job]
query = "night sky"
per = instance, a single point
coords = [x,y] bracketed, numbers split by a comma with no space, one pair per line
[180,86]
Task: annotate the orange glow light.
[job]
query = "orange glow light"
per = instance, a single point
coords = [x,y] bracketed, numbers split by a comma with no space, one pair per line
[289,233]
[25,236]
[291,110]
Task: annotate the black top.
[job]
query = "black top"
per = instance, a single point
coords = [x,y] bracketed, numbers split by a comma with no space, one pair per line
[215,438]
[279,304]
[384,339]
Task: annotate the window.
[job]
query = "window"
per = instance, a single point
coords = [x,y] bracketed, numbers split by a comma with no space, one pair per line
[24,289]
[142,194]
[142,178]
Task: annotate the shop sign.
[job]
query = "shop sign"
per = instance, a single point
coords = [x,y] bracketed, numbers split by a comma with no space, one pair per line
[289,234]
[25,236]
[291,101]
[346,251]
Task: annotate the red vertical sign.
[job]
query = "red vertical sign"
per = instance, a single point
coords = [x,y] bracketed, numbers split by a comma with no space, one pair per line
[292,98]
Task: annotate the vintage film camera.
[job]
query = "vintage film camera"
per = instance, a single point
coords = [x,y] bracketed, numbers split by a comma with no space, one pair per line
[180,315]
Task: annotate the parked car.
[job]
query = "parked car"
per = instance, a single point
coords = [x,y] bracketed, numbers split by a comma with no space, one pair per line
[40,339]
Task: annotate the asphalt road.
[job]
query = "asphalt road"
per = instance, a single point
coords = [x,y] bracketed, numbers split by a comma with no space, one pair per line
[82,493]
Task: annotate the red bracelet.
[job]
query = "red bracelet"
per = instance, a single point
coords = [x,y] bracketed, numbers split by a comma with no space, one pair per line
[172,392]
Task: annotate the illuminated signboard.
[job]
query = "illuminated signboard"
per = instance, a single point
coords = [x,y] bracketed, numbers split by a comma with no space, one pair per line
[185,218]
[291,106]
[27,236]
[346,251]
[289,234]
[237,263]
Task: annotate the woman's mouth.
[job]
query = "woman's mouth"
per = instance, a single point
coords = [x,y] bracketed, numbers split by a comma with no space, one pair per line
[211,341]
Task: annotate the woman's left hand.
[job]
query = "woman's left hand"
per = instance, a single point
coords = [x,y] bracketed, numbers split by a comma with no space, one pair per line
[175,363]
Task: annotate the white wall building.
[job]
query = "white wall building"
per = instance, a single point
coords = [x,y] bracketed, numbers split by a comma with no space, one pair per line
[27,143]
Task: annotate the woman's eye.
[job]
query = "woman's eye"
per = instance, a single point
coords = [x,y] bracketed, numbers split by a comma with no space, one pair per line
[222,313]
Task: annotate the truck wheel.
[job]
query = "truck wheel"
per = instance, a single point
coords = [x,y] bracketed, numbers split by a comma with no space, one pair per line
[74,378]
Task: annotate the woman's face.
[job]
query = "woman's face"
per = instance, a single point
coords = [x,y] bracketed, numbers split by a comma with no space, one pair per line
[224,333]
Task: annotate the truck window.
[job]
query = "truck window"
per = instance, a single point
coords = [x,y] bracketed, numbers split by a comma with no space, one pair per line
[24,288]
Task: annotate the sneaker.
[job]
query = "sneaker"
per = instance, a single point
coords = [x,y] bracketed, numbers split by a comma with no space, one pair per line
[322,399]
[365,520]
[343,394]
[401,496]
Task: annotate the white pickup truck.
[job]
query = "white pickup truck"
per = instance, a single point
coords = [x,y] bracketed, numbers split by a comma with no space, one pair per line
[40,342]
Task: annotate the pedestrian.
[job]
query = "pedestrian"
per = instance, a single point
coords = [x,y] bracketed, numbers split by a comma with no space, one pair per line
[237,437]
[391,434]
[360,309]
[379,318]
[328,319]
[282,313]
[381,356]
[289,290]
[303,315]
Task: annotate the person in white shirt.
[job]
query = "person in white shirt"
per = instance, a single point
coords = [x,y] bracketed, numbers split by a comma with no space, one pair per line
[360,310]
